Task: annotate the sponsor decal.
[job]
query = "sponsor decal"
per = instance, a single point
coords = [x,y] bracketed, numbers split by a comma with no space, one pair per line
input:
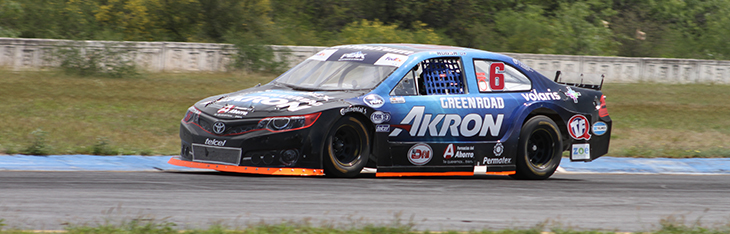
[382,128]
[323,55]
[447,53]
[498,149]
[482,82]
[522,65]
[280,100]
[396,100]
[208,103]
[391,60]
[215,142]
[572,94]
[458,154]
[379,117]
[578,127]
[418,123]
[600,128]
[358,109]
[219,127]
[497,161]
[233,110]
[356,56]
[374,100]
[580,151]
[543,96]
[472,103]
[376,48]
[420,154]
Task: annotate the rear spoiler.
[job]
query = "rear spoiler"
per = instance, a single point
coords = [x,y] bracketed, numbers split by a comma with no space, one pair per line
[580,84]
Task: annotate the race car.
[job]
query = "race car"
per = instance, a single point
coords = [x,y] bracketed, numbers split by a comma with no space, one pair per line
[399,110]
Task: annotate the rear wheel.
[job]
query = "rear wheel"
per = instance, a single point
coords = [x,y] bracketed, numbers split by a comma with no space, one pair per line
[347,148]
[539,149]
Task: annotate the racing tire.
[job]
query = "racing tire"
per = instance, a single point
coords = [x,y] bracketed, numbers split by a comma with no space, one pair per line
[347,148]
[539,150]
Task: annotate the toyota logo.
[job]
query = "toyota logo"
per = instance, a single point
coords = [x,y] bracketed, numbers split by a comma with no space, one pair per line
[219,127]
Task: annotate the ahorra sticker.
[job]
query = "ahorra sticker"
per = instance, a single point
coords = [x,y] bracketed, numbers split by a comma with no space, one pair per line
[580,152]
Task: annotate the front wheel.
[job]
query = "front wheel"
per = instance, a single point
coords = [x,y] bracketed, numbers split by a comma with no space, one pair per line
[539,149]
[347,147]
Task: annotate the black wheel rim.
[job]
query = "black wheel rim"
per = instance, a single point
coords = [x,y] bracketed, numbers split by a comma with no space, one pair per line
[540,149]
[346,145]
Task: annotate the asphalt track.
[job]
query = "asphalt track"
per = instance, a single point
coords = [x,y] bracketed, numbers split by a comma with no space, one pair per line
[621,202]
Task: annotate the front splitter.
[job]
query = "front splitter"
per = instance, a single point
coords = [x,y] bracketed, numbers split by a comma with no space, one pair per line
[247,169]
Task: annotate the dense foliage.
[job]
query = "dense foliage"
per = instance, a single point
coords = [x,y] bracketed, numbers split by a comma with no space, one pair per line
[644,28]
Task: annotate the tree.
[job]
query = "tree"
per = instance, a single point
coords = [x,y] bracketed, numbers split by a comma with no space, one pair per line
[130,18]
[366,31]
[577,31]
[176,20]
[9,11]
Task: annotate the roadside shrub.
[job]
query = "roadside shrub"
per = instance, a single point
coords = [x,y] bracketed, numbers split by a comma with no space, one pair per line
[131,227]
[102,147]
[112,60]
[39,146]
[255,56]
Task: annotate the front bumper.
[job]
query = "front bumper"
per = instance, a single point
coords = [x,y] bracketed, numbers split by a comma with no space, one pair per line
[296,149]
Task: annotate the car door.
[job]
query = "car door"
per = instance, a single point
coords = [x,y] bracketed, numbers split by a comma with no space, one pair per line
[442,123]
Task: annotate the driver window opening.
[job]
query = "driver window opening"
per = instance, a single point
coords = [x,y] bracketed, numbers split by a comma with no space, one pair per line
[438,76]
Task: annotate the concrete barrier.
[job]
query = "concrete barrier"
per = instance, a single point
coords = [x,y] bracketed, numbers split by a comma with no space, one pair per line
[30,54]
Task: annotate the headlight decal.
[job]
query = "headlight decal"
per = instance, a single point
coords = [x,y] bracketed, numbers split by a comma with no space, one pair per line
[272,124]
[288,123]
[192,116]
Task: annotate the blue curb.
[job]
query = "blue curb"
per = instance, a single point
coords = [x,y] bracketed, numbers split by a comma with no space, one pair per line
[649,165]
[154,163]
[88,163]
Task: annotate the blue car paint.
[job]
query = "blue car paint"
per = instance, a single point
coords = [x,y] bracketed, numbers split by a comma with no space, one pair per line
[515,111]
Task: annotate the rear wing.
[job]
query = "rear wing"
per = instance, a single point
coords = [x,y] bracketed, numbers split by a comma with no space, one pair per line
[579,80]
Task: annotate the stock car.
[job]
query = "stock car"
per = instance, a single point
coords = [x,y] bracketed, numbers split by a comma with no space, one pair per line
[399,110]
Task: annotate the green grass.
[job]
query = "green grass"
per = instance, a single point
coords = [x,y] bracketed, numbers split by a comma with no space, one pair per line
[52,113]
[662,120]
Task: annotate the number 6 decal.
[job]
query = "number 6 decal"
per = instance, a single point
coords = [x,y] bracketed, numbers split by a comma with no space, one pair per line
[496,76]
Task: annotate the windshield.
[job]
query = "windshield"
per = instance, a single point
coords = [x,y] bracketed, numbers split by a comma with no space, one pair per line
[334,75]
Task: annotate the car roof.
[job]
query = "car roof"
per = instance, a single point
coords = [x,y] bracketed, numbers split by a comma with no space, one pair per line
[409,49]
[412,49]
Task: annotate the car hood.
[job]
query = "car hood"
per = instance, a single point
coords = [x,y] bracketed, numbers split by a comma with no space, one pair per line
[272,100]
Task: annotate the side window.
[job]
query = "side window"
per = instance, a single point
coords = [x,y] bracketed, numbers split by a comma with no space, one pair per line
[496,76]
[407,85]
[437,76]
